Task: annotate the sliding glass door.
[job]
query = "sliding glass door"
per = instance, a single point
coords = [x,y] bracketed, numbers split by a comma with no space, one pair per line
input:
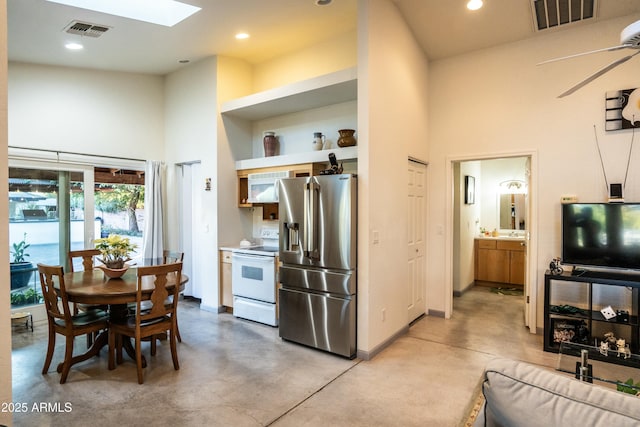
[47,206]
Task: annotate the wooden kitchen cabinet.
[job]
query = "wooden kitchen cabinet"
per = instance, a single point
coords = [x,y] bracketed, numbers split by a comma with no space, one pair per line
[226,295]
[299,170]
[501,261]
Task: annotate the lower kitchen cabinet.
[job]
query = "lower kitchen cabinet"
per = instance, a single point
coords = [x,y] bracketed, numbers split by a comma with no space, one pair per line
[501,261]
[226,296]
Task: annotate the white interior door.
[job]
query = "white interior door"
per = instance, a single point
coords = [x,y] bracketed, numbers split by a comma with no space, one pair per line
[189,209]
[527,234]
[416,261]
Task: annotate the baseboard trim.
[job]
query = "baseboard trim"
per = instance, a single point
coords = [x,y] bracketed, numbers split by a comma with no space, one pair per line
[368,355]
[436,313]
[210,308]
[461,292]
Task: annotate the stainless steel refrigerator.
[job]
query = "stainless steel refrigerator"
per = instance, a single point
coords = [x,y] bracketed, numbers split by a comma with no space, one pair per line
[317,298]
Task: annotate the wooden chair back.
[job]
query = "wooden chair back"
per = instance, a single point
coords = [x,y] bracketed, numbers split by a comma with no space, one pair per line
[157,306]
[87,255]
[169,257]
[49,276]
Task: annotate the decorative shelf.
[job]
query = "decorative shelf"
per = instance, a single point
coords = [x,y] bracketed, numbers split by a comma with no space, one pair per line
[344,153]
[328,89]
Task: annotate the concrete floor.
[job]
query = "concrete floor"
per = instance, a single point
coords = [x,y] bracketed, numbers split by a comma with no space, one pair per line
[239,373]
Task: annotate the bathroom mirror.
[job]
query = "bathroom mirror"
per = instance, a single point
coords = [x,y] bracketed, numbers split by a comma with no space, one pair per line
[511,211]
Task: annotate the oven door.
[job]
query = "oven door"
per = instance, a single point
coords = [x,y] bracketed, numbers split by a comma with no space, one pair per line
[254,276]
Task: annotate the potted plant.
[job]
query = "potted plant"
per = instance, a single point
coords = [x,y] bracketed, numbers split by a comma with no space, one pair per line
[21,269]
[115,252]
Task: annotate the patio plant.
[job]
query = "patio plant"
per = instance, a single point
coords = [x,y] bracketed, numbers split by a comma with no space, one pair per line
[21,269]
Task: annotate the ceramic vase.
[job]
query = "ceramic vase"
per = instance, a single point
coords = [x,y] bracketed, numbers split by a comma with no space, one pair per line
[346,138]
[318,141]
[270,144]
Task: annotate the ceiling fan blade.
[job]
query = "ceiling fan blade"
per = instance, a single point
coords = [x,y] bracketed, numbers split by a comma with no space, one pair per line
[597,74]
[607,49]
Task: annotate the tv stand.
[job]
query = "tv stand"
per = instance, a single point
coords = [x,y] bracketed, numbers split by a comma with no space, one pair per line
[578,271]
[572,305]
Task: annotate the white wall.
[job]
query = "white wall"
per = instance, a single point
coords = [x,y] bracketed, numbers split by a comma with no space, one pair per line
[466,226]
[392,124]
[234,80]
[497,101]
[191,131]
[5,303]
[336,53]
[86,111]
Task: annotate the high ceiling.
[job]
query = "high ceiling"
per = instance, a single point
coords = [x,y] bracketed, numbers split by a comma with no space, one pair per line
[443,28]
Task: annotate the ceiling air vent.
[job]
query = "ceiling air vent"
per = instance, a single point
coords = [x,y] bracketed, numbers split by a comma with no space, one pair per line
[86,29]
[554,13]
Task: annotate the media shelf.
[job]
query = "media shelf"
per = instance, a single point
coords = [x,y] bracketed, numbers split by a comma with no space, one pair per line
[572,304]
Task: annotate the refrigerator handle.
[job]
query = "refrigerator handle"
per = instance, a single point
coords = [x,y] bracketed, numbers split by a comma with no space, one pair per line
[310,219]
[290,235]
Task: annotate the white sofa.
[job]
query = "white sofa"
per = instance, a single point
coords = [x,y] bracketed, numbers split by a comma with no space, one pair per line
[519,394]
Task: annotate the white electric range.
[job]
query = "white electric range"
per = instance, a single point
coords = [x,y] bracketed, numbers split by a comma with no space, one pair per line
[254,280]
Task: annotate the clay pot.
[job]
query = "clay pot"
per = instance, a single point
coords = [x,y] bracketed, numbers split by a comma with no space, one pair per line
[270,144]
[346,138]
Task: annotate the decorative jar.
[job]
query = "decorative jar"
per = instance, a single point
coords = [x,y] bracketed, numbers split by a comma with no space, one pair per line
[346,138]
[270,143]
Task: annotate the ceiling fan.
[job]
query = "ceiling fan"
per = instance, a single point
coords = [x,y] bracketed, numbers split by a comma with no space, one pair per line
[629,39]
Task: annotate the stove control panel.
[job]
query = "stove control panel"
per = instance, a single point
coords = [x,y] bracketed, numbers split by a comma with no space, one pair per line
[269,233]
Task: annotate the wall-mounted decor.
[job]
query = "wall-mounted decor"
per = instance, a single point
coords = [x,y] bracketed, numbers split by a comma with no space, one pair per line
[622,110]
[469,190]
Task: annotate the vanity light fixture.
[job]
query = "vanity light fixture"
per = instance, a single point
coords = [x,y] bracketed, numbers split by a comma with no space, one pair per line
[474,4]
[74,46]
[513,186]
[242,36]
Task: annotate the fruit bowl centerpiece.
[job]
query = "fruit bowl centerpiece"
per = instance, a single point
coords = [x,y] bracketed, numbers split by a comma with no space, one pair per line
[115,252]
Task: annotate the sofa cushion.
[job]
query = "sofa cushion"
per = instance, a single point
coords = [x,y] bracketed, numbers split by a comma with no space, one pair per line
[520,394]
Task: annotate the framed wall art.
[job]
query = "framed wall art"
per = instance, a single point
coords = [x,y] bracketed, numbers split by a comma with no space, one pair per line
[469,190]
[622,109]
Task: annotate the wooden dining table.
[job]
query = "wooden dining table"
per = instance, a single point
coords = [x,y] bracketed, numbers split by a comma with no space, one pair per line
[94,287]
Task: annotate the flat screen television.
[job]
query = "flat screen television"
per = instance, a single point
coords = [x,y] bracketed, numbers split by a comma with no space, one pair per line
[605,235]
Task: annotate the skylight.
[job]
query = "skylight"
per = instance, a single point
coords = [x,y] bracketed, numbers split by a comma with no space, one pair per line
[161,12]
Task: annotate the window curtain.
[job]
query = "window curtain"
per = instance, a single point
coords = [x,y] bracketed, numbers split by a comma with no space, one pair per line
[153,210]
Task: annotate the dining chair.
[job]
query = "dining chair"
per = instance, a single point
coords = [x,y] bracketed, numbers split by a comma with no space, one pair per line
[168,257]
[88,264]
[172,256]
[159,318]
[62,322]
[87,255]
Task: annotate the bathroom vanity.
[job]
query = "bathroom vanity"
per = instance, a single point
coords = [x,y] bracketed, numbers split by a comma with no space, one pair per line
[500,259]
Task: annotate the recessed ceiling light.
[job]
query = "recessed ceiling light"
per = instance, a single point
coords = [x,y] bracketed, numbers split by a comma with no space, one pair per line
[242,36]
[474,4]
[161,12]
[74,46]
[183,61]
